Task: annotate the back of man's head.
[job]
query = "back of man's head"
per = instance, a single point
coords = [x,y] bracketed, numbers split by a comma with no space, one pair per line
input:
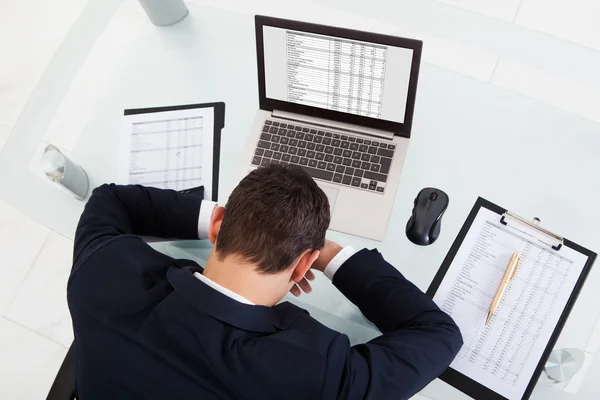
[274,215]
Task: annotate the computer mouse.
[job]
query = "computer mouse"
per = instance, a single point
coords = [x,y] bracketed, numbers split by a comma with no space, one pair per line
[423,227]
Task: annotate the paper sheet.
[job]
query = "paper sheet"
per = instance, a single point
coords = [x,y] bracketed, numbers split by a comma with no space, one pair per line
[168,149]
[504,354]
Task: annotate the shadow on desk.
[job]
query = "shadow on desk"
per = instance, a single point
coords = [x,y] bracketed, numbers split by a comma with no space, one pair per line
[63,387]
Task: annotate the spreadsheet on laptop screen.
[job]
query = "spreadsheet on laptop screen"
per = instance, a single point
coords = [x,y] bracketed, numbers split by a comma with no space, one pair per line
[340,74]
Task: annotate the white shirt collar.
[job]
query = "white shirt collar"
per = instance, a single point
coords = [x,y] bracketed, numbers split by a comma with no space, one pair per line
[222,289]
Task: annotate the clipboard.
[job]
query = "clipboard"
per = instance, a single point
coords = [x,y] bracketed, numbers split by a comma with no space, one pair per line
[219,124]
[467,384]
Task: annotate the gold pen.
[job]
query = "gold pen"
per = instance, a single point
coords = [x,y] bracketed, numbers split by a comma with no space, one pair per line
[511,268]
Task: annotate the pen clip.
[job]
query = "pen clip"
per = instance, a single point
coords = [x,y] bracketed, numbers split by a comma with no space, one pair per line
[516,267]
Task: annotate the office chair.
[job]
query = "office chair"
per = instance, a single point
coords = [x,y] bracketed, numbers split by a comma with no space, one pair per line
[63,387]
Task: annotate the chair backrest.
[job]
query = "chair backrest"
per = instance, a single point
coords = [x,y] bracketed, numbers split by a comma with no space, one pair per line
[63,387]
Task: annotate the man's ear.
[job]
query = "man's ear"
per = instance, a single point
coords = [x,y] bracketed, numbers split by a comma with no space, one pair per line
[305,261]
[215,223]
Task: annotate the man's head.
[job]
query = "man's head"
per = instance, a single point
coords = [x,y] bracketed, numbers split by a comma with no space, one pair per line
[275,219]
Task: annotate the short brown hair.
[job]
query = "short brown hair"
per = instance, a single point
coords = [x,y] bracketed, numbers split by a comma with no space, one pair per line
[273,216]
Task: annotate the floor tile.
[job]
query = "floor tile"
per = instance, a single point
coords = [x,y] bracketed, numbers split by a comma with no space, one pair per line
[501,9]
[41,302]
[21,240]
[574,20]
[457,57]
[40,27]
[28,362]
[559,92]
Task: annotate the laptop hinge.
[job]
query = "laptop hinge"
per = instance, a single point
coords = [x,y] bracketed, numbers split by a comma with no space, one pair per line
[330,124]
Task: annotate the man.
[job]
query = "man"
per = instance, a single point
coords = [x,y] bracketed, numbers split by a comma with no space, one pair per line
[151,327]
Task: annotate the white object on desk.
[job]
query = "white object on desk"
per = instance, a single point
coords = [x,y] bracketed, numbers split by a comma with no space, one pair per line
[168,149]
[563,364]
[504,354]
[164,12]
[60,169]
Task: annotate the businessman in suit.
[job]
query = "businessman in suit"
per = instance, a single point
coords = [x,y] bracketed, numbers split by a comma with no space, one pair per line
[148,326]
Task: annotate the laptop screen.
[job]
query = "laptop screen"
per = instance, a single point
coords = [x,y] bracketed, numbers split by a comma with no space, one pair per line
[335,73]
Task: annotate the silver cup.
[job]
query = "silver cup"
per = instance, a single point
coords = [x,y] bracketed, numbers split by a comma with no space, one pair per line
[60,169]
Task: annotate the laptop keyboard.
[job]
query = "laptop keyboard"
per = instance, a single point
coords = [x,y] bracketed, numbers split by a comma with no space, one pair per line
[332,157]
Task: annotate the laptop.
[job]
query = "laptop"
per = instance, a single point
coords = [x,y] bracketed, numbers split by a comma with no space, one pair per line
[338,103]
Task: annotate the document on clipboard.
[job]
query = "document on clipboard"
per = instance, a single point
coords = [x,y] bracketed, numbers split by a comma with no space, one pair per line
[173,147]
[504,358]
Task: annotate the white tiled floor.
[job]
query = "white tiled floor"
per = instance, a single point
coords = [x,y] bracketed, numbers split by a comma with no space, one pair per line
[35,328]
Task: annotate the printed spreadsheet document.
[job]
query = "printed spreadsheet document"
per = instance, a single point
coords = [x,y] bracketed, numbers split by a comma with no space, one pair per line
[168,149]
[503,355]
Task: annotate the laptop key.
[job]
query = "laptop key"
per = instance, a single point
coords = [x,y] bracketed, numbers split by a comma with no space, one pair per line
[353,146]
[340,169]
[347,153]
[336,142]
[284,140]
[351,139]
[364,186]
[322,165]
[298,128]
[266,128]
[328,134]
[310,154]
[366,165]
[293,150]
[336,136]
[344,137]
[392,146]
[372,187]
[304,129]
[356,181]
[337,178]
[268,122]
[311,146]
[301,152]
[275,123]
[320,133]
[284,163]
[299,135]
[265,162]
[328,157]
[283,125]
[345,145]
[274,146]
[349,171]
[268,153]
[275,139]
[380,189]
[375,176]
[328,150]
[367,142]
[308,137]
[385,164]
[346,180]
[318,173]
[256,160]
[320,147]
[359,173]
[303,161]
[337,160]
[265,136]
[273,130]
[327,141]
[365,157]
[375,159]
[317,139]
[284,149]
[363,148]
[356,155]
[295,160]
[375,144]
[356,163]
[287,157]
[290,126]
[375,167]
[259,152]
[320,156]
[281,132]
[383,146]
[330,167]
[347,162]
[337,151]
[359,140]
[291,134]
[302,144]
[373,150]
[385,153]
[312,163]
[293,142]
[277,156]
[313,131]
[264,144]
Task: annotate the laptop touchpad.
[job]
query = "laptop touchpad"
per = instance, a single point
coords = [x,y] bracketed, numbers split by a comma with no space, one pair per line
[331,194]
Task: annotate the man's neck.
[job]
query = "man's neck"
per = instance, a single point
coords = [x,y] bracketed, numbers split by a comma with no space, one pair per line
[243,279]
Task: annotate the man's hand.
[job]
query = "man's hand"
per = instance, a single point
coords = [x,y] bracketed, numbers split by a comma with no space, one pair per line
[329,251]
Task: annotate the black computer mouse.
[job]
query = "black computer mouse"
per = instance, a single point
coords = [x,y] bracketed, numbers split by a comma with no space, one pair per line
[423,227]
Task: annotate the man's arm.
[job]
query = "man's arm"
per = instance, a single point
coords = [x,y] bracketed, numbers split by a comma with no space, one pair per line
[418,343]
[114,210]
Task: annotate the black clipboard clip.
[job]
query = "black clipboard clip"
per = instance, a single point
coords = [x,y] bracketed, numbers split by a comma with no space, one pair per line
[534,224]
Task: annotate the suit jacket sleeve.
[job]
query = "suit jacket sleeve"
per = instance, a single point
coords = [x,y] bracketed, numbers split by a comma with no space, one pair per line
[418,343]
[114,210]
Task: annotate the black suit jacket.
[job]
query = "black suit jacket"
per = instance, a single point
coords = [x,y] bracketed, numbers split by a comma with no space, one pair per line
[146,328]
